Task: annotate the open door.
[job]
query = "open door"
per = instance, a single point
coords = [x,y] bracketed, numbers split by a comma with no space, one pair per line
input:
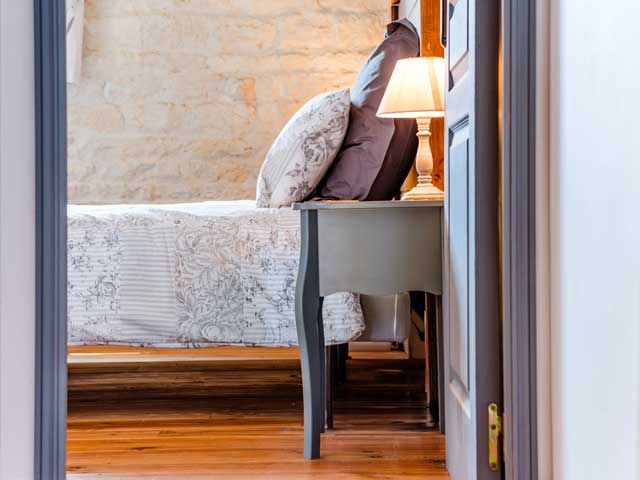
[472,294]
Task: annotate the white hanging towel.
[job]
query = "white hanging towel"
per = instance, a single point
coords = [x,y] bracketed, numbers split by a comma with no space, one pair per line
[75,24]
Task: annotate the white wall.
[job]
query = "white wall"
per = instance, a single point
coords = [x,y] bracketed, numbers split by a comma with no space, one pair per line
[595,239]
[17,249]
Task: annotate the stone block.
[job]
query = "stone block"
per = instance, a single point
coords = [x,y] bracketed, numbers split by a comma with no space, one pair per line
[245,35]
[103,119]
[354,6]
[361,30]
[306,33]
[113,33]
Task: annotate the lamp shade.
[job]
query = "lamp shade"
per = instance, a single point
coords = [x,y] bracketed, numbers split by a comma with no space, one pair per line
[416,89]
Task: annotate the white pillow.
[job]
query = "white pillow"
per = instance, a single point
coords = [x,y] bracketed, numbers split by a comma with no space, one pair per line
[304,150]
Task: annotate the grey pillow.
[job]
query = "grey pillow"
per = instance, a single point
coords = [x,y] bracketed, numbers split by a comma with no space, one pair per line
[375,147]
[304,150]
[398,161]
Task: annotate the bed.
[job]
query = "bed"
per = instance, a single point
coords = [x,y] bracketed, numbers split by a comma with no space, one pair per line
[190,275]
[202,274]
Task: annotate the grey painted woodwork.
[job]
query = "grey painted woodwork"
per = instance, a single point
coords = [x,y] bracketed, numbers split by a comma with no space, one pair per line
[358,205]
[435,339]
[371,255]
[375,248]
[471,293]
[51,241]
[310,335]
[331,359]
[518,239]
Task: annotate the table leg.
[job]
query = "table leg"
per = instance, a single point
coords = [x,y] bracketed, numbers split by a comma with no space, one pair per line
[435,339]
[440,335]
[331,353]
[310,335]
[433,350]
[321,416]
[341,367]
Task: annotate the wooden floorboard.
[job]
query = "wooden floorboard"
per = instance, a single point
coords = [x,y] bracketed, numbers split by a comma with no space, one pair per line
[242,418]
[118,354]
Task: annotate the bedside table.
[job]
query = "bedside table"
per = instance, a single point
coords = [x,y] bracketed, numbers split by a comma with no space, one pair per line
[374,248]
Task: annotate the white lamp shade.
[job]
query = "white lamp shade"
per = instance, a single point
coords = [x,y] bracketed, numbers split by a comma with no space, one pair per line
[416,89]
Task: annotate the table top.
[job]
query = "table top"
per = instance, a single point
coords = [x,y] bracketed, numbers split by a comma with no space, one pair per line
[355,204]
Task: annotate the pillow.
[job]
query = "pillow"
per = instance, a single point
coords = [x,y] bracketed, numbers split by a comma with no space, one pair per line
[398,161]
[375,150]
[304,150]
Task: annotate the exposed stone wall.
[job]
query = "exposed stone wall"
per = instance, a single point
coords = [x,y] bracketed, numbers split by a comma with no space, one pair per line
[180,100]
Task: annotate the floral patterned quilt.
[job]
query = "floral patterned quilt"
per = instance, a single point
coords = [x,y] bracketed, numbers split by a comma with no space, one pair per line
[190,275]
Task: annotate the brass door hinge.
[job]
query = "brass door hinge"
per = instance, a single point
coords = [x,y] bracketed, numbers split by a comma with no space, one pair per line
[495,434]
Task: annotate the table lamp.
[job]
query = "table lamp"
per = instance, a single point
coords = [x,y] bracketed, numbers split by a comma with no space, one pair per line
[416,90]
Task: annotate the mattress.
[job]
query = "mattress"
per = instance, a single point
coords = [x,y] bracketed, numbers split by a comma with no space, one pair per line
[190,275]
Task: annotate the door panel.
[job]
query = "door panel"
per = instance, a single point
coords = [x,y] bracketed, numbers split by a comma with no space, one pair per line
[471,301]
[459,255]
[458,22]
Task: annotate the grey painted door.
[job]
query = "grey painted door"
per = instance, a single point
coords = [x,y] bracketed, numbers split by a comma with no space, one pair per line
[471,302]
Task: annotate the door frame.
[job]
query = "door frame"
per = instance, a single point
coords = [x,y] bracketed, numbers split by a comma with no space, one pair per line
[51,241]
[518,242]
[518,235]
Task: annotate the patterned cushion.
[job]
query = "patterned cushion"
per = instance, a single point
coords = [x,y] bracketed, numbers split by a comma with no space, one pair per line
[304,150]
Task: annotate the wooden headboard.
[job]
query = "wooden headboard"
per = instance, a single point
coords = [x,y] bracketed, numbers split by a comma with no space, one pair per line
[430,47]
[394,9]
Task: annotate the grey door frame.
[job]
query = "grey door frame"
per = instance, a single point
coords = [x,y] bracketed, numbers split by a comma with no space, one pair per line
[518,239]
[51,241]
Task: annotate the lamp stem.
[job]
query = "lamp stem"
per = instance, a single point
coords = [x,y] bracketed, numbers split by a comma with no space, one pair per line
[424,190]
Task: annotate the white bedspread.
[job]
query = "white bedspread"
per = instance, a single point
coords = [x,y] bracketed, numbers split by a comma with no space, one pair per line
[190,275]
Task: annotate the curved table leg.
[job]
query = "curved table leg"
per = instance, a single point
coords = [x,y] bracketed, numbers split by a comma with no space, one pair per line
[311,335]
[331,365]
[321,382]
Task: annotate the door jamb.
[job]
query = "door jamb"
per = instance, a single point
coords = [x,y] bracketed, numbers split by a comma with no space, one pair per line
[519,238]
[518,201]
[51,241]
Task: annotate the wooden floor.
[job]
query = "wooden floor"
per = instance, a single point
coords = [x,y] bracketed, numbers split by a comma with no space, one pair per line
[239,415]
